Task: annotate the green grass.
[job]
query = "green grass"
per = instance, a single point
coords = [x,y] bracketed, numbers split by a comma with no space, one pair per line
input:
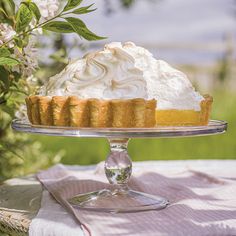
[91,151]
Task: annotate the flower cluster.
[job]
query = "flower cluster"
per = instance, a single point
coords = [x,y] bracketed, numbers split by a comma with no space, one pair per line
[47,8]
[28,59]
[27,56]
[6,34]
[18,54]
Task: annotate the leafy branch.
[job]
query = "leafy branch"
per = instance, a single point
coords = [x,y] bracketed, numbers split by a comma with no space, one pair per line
[26,19]
[17,64]
[28,10]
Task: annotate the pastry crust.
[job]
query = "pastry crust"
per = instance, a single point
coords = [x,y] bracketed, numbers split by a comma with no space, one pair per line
[60,111]
[75,112]
[139,112]
[34,106]
[100,113]
[117,113]
[122,113]
[79,112]
[206,106]
[29,109]
[45,110]
[150,113]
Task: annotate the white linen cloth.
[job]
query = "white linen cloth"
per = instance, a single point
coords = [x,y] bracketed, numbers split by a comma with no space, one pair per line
[202,195]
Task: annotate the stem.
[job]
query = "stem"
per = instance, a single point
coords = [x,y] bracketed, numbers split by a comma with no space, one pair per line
[37,26]
[118,165]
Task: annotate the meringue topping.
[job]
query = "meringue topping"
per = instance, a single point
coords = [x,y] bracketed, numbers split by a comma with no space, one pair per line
[125,72]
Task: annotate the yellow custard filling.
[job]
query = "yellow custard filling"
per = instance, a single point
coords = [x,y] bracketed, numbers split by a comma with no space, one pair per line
[185,117]
[177,117]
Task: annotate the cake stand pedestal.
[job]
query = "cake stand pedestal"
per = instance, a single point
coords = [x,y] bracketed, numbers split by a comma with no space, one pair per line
[118,165]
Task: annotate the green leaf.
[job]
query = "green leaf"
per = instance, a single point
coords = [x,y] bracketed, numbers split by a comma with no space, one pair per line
[59,27]
[84,10]
[8,61]
[2,10]
[9,7]
[19,42]
[60,56]
[127,3]
[23,17]
[4,52]
[12,5]
[35,10]
[4,77]
[72,4]
[81,29]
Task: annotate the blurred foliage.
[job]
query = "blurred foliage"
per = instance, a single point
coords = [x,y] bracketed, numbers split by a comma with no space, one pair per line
[127,3]
[111,6]
[19,154]
[59,59]
[225,64]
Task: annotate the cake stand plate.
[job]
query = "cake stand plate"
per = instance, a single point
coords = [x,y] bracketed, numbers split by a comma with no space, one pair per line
[118,165]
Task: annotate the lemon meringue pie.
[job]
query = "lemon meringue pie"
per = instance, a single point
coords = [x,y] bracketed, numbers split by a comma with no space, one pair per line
[122,85]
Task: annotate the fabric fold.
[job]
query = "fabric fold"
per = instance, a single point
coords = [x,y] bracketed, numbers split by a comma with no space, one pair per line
[201,204]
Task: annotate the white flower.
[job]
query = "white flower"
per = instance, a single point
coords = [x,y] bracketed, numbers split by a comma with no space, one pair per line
[32,81]
[47,8]
[6,34]
[21,113]
[37,30]
[28,59]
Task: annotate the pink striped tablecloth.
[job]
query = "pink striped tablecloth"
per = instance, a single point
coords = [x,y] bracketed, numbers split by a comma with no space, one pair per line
[202,196]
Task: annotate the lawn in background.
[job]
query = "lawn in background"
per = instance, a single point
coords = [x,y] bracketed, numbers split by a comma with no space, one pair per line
[92,150]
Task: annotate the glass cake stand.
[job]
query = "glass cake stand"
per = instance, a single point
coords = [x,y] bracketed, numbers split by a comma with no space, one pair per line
[118,165]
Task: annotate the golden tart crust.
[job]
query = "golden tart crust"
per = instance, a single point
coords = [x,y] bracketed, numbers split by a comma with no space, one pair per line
[74,112]
[186,117]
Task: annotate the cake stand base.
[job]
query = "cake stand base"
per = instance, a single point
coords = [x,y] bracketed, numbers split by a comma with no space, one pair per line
[118,198]
[118,201]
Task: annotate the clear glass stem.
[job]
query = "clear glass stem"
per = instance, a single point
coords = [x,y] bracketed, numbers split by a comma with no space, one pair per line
[119,198]
[118,165]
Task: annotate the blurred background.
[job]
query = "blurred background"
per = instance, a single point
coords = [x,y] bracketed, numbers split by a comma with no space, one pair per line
[197,37]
